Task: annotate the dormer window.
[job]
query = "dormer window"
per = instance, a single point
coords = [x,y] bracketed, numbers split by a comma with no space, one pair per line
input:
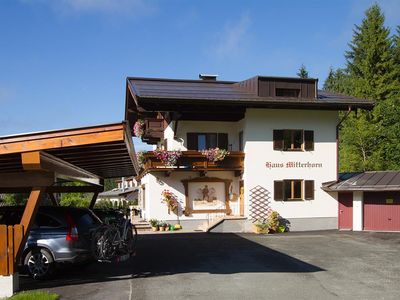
[292,93]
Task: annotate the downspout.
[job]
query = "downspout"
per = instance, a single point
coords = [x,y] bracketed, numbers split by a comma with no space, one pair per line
[337,140]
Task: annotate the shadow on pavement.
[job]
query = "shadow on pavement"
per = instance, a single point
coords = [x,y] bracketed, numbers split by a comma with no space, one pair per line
[167,254]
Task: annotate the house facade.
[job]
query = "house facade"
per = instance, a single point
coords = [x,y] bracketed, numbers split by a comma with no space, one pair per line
[281,139]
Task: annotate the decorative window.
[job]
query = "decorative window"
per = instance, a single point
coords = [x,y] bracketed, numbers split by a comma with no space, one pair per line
[203,141]
[293,140]
[291,93]
[293,189]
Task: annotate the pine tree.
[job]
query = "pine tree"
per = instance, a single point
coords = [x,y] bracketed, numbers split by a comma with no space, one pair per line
[371,73]
[337,81]
[302,73]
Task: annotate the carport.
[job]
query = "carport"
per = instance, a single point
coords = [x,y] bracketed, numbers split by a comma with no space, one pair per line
[368,200]
[37,163]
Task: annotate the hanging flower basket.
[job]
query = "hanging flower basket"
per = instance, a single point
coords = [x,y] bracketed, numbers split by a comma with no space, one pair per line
[215,154]
[141,159]
[138,128]
[169,158]
[171,200]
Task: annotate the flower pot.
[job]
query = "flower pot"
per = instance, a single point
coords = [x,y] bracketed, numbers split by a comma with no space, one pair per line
[162,228]
[154,228]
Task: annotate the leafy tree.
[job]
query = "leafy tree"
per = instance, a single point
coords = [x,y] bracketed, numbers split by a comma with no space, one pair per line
[302,73]
[75,199]
[15,199]
[109,184]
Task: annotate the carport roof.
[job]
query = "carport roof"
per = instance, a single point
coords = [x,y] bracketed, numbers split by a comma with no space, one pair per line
[366,181]
[105,151]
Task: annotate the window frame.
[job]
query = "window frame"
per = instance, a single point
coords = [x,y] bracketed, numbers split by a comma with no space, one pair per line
[280,141]
[193,137]
[307,190]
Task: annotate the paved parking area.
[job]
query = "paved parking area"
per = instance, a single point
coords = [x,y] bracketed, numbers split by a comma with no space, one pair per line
[316,265]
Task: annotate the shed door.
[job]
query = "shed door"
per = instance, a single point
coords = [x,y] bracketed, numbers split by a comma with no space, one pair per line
[346,211]
[382,211]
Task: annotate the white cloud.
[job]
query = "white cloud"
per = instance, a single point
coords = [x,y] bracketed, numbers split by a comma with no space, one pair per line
[114,7]
[231,40]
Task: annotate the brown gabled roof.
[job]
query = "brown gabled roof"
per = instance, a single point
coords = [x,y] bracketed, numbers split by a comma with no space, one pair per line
[366,181]
[147,91]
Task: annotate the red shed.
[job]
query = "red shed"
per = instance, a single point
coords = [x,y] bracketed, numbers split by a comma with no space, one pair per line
[368,200]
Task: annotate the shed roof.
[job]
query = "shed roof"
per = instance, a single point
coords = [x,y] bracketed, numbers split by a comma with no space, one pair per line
[365,181]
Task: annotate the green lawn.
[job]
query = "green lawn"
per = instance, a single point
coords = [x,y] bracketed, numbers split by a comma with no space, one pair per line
[34,295]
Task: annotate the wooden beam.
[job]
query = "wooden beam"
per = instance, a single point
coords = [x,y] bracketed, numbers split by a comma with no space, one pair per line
[57,189]
[27,179]
[28,216]
[131,148]
[93,201]
[42,161]
[62,139]
[53,199]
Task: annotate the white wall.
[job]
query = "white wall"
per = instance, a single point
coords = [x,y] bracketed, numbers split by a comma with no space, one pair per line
[157,182]
[231,128]
[258,138]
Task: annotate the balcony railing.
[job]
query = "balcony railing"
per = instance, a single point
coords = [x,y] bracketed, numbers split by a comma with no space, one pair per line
[195,161]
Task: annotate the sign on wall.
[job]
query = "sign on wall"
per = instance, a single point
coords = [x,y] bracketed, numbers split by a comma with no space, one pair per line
[292,165]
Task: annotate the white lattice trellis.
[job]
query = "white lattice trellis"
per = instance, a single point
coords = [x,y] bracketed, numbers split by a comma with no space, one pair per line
[260,204]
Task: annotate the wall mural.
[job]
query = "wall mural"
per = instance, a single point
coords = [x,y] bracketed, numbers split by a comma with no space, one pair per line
[209,195]
[206,195]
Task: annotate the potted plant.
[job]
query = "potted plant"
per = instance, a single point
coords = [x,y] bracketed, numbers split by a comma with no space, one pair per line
[168,158]
[261,228]
[163,226]
[138,128]
[273,221]
[154,224]
[214,155]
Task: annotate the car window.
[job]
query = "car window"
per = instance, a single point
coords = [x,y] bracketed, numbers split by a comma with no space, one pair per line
[43,220]
[86,220]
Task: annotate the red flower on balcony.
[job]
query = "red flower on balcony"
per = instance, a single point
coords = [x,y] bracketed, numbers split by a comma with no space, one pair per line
[169,158]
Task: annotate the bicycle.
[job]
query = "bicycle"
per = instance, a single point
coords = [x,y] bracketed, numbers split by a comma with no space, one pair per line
[114,241]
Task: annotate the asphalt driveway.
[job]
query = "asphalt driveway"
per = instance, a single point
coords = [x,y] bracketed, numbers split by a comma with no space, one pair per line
[317,265]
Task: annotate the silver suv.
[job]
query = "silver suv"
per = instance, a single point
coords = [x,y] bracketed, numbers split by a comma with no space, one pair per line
[58,235]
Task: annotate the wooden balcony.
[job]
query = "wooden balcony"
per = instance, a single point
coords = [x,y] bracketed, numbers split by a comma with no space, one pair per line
[153,130]
[195,161]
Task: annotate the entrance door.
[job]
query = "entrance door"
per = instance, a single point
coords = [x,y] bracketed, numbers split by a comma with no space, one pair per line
[382,211]
[346,211]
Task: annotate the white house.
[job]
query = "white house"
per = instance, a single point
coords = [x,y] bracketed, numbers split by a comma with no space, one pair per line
[281,134]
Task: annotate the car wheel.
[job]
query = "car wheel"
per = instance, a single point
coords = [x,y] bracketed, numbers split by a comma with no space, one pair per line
[39,263]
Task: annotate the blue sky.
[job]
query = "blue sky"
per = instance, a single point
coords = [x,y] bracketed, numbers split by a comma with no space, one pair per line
[63,63]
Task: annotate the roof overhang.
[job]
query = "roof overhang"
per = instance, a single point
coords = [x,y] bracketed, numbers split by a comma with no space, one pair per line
[86,154]
[372,181]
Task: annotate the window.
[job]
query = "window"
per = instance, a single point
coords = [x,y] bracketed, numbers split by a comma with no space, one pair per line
[293,140]
[293,189]
[202,141]
[46,221]
[292,93]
